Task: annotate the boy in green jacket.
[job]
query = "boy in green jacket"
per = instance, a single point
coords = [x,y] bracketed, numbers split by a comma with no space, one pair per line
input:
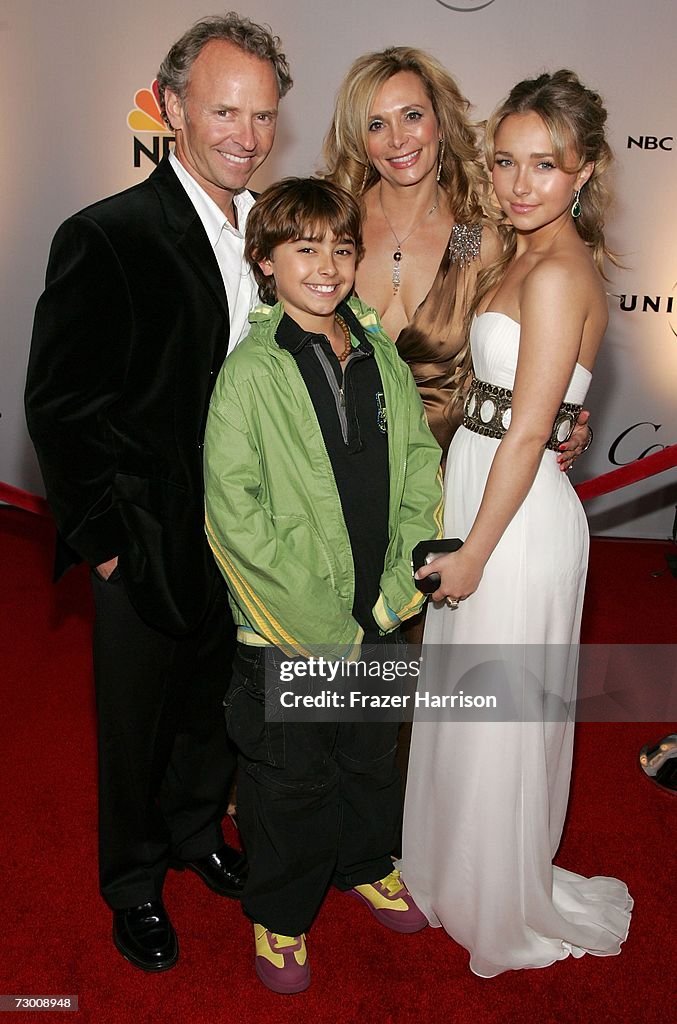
[321,476]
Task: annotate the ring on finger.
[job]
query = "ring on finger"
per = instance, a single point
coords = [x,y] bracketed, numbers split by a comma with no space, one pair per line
[451,602]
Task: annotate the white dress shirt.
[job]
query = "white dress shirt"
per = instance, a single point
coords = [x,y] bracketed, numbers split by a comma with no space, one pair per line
[228,245]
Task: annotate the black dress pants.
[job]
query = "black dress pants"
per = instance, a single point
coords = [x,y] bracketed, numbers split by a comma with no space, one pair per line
[317,802]
[165,762]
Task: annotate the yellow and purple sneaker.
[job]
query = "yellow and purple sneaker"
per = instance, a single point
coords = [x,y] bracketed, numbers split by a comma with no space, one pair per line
[391,903]
[281,961]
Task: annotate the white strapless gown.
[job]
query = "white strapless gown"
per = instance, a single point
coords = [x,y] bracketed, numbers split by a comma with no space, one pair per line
[486,800]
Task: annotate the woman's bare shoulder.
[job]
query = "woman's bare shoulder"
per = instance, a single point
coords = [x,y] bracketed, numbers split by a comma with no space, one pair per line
[567,281]
[566,268]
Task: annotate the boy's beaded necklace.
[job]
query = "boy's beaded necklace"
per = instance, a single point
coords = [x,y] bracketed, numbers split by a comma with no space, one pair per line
[346,334]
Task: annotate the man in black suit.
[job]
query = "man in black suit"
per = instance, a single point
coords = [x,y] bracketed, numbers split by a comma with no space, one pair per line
[146,292]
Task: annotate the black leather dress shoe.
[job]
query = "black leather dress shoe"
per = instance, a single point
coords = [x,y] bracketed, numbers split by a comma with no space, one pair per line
[145,936]
[224,871]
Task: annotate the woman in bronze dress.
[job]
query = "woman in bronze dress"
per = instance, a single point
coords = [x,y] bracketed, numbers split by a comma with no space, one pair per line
[401,138]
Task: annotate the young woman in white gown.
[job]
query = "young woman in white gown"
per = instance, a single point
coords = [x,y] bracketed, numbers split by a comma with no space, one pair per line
[486,800]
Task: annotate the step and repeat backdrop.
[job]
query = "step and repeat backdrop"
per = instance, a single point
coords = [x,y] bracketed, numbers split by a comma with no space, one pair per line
[80,121]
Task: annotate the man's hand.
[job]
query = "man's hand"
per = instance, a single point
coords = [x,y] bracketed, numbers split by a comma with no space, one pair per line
[578,442]
[106,568]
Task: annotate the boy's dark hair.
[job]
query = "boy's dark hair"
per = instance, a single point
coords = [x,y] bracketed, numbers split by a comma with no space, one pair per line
[298,208]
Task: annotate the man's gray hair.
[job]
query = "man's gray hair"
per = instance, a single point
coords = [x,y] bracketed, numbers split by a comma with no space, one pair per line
[231,27]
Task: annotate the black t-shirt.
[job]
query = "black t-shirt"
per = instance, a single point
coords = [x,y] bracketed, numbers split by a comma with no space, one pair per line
[349,403]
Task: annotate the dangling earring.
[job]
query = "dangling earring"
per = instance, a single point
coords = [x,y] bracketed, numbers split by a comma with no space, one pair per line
[576,206]
[364,178]
[439,160]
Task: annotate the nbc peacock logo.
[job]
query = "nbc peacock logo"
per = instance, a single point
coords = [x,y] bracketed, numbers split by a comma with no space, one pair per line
[146,120]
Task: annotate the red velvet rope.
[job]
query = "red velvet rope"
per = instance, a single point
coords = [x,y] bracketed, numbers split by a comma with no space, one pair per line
[22,499]
[650,465]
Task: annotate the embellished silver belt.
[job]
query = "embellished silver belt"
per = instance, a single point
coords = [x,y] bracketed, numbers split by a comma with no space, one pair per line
[488,410]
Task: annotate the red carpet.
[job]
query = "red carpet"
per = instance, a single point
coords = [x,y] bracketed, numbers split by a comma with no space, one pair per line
[56,931]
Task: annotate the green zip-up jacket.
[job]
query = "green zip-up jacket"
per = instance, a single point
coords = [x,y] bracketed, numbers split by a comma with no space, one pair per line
[273,514]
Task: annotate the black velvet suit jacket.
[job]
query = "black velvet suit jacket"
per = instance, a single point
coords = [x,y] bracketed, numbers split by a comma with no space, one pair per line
[129,334]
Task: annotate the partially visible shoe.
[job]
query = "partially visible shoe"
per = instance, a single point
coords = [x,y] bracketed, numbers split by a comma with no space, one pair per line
[391,903]
[145,936]
[652,759]
[281,961]
[224,872]
[666,776]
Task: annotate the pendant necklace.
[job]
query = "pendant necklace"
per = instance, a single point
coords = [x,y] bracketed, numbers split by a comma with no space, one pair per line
[397,255]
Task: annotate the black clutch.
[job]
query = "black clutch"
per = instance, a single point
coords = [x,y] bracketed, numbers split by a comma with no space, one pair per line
[427,551]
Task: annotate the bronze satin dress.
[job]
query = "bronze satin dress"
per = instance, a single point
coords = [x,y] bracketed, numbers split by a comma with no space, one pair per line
[436,333]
